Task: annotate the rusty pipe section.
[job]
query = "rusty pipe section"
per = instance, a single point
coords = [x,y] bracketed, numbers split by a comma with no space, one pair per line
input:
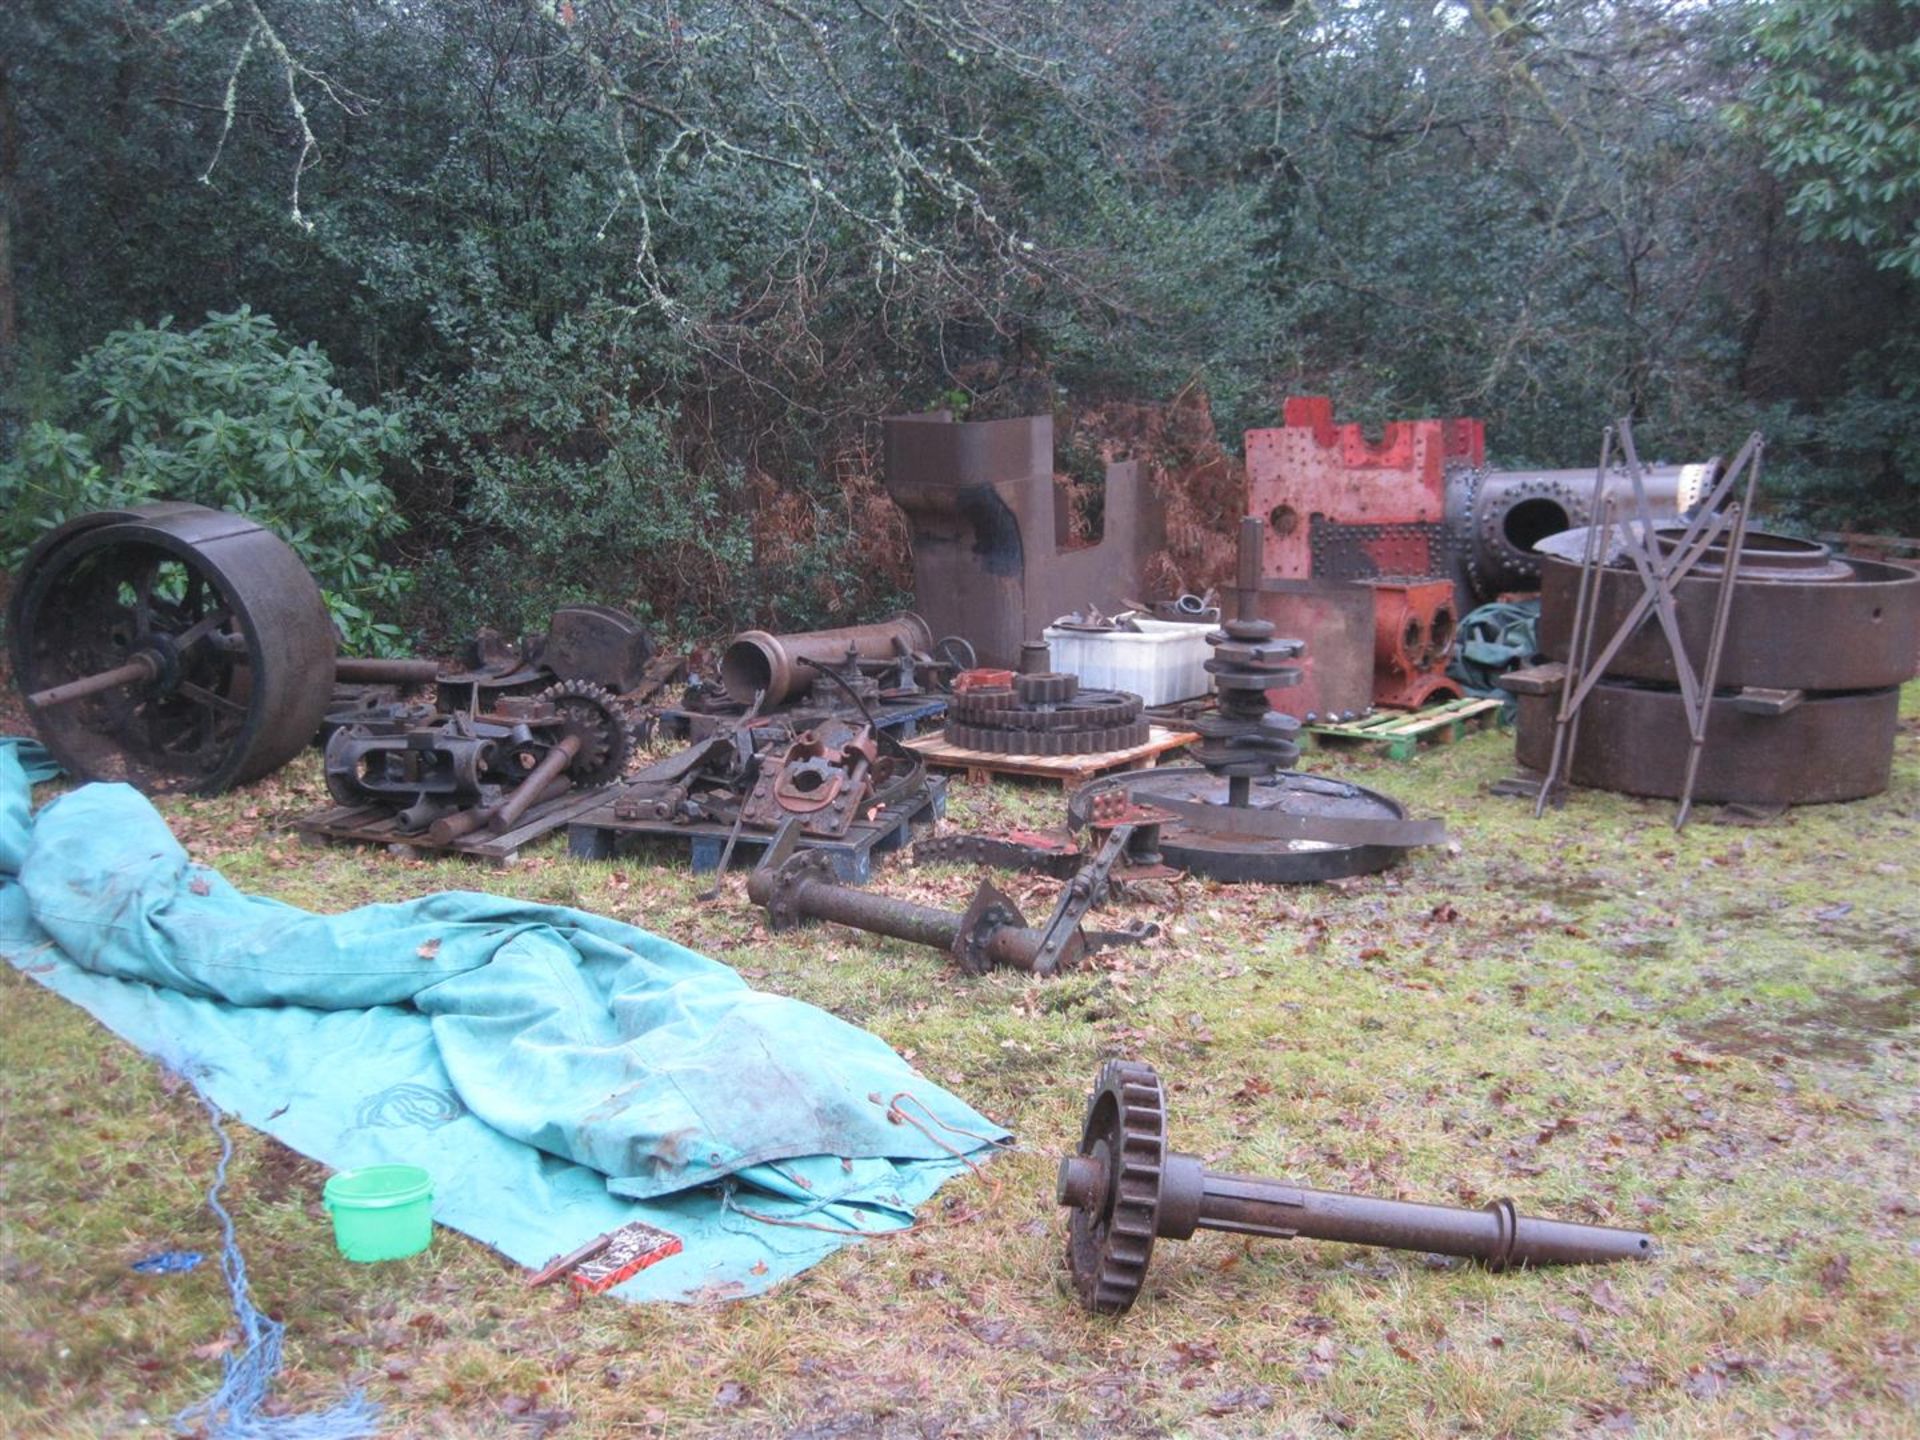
[759,662]
[449,828]
[1498,516]
[552,766]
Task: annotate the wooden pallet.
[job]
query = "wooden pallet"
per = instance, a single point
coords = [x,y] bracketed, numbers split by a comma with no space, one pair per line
[1400,733]
[600,834]
[1071,771]
[375,825]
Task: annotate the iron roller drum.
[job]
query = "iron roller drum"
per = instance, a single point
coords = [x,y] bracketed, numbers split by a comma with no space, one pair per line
[173,646]
[1633,739]
[1802,617]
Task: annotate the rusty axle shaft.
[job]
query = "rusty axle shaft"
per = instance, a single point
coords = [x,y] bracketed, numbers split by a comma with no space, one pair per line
[1193,1197]
[1126,1189]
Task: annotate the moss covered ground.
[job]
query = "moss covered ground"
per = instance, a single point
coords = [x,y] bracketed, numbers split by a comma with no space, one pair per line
[1709,1035]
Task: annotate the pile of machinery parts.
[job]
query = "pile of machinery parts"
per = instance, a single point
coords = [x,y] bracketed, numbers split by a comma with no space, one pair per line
[1126,1189]
[452,773]
[892,671]
[177,648]
[846,785]
[796,886]
[1045,714]
[1376,548]
[1713,662]
[182,648]
[1240,813]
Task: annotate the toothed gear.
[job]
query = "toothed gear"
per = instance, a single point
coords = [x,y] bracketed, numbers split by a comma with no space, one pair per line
[995,740]
[1110,1236]
[984,705]
[1047,688]
[591,712]
[1088,710]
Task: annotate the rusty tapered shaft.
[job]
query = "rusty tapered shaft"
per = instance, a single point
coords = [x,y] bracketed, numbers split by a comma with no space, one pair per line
[1194,1197]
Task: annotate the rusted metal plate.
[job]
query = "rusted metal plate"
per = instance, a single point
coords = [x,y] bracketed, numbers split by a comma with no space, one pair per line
[990,560]
[1336,671]
[1634,739]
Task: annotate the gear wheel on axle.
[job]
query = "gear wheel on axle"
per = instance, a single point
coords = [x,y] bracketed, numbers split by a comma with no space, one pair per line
[593,714]
[1123,1147]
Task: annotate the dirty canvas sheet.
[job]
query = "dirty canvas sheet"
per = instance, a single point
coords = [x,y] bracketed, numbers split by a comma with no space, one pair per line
[559,1073]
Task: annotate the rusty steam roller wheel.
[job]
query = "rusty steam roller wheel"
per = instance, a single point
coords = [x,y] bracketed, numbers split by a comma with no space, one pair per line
[171,646]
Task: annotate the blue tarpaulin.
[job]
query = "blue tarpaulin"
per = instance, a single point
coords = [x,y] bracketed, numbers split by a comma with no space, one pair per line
[559,1073]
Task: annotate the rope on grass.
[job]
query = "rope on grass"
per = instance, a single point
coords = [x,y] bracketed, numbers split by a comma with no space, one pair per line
[232,1412]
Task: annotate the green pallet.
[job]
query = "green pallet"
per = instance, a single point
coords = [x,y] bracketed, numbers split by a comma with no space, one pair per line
[1399,733]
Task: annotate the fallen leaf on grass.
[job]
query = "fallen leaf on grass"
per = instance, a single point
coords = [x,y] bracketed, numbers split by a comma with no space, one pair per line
[1836,1273]
[214,1349]
[1197,1352]
[1692,1060]
[1256,1397]
[731,1395]
[1613,1419]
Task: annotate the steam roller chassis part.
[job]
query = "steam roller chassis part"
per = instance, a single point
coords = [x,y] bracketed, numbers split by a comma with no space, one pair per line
[1126,1189]
[1634,739]
[1343,829]
[171,646]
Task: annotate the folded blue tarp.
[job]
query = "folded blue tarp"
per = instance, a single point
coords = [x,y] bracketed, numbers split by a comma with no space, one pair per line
[559,1073]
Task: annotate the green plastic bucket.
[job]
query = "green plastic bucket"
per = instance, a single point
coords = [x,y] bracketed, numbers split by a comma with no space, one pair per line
[382,1212]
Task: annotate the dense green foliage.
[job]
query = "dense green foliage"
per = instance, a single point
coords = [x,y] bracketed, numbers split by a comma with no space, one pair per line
[228,415]
[640,278]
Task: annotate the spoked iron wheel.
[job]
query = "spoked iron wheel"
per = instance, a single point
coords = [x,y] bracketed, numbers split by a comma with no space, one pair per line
[171,646]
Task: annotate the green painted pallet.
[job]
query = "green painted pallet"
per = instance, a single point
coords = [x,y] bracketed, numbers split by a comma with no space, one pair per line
[1399,733]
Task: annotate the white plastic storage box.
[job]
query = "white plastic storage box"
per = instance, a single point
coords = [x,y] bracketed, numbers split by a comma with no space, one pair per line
[1163,662]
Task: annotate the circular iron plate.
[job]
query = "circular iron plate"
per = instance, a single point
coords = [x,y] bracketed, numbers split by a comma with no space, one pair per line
[1238,859]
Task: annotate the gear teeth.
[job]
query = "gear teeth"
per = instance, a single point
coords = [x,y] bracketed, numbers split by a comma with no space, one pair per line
[596,715]
[1108,1252]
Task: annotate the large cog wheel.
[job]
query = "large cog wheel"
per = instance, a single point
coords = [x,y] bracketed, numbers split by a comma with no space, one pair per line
[1116,1178]
[592,713]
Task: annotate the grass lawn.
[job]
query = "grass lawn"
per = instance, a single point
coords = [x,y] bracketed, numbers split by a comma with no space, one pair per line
[1708,1035]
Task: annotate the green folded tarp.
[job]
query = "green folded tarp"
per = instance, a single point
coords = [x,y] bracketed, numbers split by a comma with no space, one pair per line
[559,1073]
